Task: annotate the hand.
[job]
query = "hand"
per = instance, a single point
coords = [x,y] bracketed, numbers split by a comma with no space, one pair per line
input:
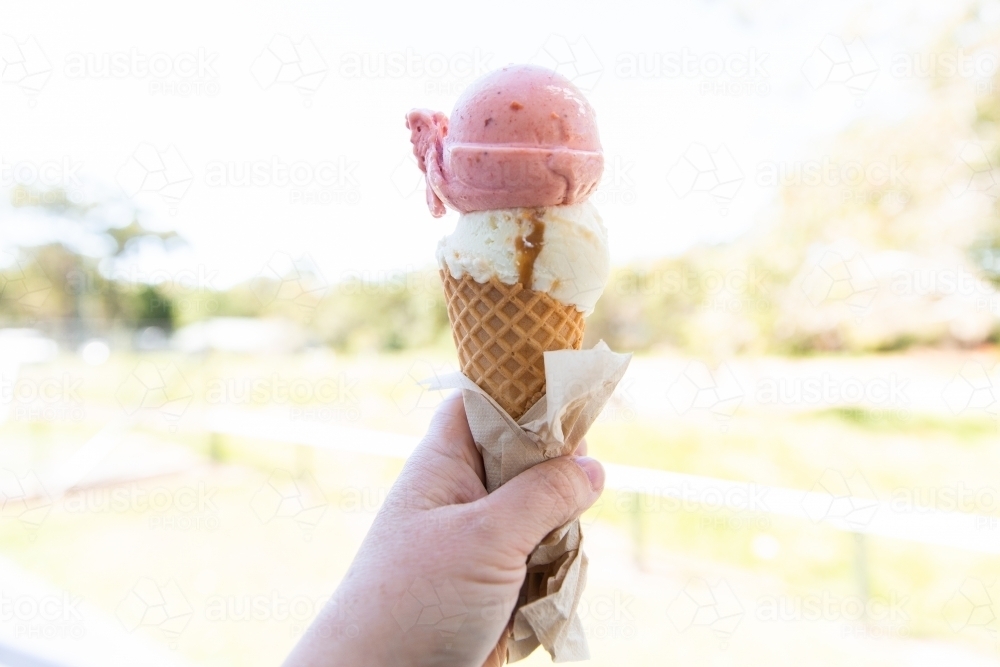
[437,577]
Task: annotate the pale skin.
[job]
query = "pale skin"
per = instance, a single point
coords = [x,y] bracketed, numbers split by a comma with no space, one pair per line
[436,579]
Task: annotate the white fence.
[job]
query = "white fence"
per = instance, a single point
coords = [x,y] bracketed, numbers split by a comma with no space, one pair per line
[823,504]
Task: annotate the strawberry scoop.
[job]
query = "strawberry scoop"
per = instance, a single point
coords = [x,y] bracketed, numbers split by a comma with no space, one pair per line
[522,136]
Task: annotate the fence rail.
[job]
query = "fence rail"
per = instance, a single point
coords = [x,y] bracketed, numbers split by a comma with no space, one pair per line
[861,515]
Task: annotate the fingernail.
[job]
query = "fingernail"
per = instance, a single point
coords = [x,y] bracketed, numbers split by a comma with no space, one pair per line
[594,470]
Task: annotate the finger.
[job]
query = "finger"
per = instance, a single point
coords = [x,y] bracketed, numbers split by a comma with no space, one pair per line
[543,498]
[445,468]
[498,658]
[449,435]
[581,449]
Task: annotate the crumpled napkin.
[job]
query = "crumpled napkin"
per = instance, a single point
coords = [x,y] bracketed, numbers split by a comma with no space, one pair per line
[578,383]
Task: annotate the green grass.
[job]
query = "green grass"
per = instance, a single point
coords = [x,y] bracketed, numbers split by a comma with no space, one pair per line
[100,555]
[963,427]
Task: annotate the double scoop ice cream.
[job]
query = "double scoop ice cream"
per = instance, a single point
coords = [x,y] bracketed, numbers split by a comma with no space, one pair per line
[518,158]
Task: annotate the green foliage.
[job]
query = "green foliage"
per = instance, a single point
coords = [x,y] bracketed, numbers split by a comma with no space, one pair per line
[395,315]
[54,282]
[152,308]
[744,297]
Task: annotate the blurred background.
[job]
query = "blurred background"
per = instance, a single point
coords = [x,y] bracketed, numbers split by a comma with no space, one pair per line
[218,297]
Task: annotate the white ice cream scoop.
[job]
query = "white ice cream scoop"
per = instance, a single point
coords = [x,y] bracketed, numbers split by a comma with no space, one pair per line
[559,250]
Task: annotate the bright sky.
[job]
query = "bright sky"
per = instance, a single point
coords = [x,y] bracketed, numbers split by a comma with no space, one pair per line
[123,96]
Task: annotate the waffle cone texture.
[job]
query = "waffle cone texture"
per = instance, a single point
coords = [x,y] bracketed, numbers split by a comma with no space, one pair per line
[502,332]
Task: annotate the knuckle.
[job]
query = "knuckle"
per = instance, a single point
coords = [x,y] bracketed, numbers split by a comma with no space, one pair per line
[483,524]
[446,426]
[560,488]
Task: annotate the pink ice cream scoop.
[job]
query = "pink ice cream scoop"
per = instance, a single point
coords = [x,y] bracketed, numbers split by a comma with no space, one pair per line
[522,136]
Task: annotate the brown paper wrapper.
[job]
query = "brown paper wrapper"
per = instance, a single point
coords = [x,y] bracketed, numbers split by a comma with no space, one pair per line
[578,384]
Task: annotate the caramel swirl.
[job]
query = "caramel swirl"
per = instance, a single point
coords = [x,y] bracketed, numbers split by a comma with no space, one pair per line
[529,244]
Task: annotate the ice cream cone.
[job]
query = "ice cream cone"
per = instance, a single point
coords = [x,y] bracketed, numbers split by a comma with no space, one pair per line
[518,159]
[502,331]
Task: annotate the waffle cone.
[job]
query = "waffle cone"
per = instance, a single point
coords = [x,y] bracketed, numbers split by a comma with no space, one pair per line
[501,332]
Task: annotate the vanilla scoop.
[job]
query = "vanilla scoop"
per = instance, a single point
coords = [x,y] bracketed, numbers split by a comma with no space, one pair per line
[559,250]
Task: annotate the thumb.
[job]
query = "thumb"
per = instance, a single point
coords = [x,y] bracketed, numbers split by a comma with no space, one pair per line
[543,498]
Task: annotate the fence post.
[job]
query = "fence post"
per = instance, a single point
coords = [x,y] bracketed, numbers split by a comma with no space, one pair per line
[638,530]
[861,566]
